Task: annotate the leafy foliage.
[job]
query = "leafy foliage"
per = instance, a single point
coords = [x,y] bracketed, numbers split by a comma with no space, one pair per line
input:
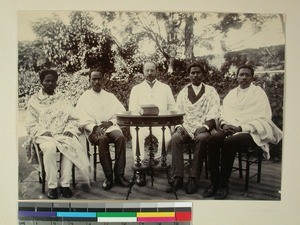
[31,56]
[79,45]
[76,47]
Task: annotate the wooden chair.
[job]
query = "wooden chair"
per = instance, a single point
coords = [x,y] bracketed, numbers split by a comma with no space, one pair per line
[244,157]
[96,159]
[42,173]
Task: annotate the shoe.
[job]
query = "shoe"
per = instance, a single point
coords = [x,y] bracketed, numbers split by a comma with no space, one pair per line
[141,179]
[66,192]
[107,184]
[52,193]
[177,183]
[210,191]
[221,193]
[121,180]
[191,186]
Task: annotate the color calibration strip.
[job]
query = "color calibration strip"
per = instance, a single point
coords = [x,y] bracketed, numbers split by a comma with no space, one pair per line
[50,213]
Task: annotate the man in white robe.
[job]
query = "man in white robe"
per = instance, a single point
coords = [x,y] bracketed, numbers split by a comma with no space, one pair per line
[245,121]
[200,103]
[51,123]
[97,110]
[150,91]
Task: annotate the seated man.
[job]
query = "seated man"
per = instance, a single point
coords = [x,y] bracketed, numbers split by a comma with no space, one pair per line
[245,121]
[200,103]
[97,110]
[150,91]
[50,124]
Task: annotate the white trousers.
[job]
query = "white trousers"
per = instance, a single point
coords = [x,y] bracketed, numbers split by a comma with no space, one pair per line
[50,161]
[143,133]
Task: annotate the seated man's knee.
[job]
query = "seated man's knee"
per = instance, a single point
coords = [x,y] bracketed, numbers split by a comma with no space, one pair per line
[48,147]
[120,137]
[202,137]
[217,139]
[103,139]
[228,146]
[176,138]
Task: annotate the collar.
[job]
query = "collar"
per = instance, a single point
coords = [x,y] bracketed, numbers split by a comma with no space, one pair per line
[197,88]
[96,93]
[240,90]
[43,93]
[151,83]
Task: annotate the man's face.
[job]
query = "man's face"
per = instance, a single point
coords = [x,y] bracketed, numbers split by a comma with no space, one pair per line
[49,84]
[196,76]
[149,71]
[96,81]
[244,78]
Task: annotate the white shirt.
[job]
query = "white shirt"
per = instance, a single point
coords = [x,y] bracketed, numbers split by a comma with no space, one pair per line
[253,113]
[93,108]
[196,114]
[160,95]
[197,88]
[242,93]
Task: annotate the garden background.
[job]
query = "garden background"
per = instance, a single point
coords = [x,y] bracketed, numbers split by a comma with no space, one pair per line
[119,42]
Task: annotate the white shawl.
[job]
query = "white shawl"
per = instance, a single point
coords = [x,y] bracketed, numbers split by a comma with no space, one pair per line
[205,109]
[253,113]
[54,114]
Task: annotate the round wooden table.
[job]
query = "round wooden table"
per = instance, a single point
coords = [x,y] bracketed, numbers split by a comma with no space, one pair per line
[163,119]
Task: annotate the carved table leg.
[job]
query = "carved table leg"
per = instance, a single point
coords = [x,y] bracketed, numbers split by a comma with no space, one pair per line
[137,150]
[164,153]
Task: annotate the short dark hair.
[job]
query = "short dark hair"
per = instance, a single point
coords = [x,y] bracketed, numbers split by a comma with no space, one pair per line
[188,70]
[150,62]
[45,72]
[245,67]
[96,70]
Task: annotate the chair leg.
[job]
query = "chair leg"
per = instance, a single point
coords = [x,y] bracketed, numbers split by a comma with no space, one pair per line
[60,161]
[95,162]
[247,171]
[206,167]
[43,173]
[259,165]
[88,148]
[190,153]
[73,176]
[40,178]
[240,164]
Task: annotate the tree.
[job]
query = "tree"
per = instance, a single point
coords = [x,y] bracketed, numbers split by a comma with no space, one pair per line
[31,56]
[170,31]
[237,20]
[79,45]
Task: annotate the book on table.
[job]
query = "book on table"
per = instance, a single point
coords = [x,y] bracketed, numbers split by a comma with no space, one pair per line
[148,110]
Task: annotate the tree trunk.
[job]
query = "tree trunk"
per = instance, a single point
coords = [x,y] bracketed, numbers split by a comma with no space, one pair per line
[282,23]
[189,36]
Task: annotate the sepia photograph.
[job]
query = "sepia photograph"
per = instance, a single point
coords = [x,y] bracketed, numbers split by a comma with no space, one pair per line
[160,105]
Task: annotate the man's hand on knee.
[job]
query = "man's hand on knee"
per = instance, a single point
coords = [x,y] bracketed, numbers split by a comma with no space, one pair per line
[180,130]
[96,134]
[200,130]
[230,129]
[105,124]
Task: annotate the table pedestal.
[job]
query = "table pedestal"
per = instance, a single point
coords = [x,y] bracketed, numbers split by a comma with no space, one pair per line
[163,120]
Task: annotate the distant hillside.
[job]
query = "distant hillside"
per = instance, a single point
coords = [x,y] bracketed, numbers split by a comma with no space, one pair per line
[263,58]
